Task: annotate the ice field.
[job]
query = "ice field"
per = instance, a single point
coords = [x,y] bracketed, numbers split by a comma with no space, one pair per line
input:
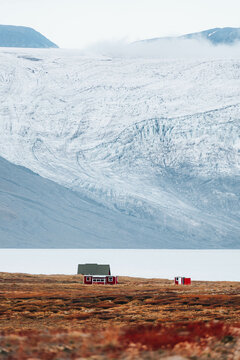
[152,144]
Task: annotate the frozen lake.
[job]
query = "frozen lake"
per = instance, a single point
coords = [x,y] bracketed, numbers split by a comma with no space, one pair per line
[221,265]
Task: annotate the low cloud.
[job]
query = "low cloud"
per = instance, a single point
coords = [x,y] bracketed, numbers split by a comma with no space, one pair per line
[164,49]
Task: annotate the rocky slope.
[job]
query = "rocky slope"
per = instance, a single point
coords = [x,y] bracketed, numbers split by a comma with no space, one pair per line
[38,213]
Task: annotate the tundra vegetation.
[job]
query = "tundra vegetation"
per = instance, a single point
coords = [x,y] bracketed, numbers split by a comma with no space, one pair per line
[57,317]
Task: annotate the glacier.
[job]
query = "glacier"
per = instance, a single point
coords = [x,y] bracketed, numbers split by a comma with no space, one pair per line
[154,142]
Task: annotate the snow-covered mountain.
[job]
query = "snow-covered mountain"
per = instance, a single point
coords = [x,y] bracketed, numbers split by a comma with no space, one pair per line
[216,36]
[152,141]
[23,37]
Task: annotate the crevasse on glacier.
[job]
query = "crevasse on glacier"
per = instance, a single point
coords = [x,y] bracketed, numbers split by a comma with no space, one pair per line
[151,139]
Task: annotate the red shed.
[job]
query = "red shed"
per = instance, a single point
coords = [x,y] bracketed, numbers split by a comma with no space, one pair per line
[180,280]
[100,279]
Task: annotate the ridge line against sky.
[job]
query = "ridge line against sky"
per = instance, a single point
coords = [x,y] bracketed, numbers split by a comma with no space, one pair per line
[79,23]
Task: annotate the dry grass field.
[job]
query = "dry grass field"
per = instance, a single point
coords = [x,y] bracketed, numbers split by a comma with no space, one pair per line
[57,317]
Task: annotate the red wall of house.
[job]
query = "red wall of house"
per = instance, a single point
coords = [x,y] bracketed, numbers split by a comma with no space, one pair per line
[88,280]
[113,282]
[186,281]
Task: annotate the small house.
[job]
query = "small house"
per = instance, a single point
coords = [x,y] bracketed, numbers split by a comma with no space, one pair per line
[180,280]
[94,269]
[100,279]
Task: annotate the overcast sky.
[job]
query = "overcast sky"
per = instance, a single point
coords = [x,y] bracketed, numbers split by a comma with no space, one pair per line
[79,23]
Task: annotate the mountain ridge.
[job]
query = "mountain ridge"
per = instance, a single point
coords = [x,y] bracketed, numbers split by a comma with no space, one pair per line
[215,36]
[23,37]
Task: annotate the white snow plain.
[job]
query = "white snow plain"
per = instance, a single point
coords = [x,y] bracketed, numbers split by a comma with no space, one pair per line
[154,139]
[213,265]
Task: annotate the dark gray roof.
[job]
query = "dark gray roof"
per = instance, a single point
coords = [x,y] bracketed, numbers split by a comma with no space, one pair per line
[94,269]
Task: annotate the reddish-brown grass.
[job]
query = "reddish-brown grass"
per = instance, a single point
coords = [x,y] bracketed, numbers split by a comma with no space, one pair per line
[158,337]
[57,317]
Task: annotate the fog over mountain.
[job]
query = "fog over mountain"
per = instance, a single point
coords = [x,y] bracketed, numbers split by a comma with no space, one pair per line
[149,145]
[210,44]
[216,36]
[23,37]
